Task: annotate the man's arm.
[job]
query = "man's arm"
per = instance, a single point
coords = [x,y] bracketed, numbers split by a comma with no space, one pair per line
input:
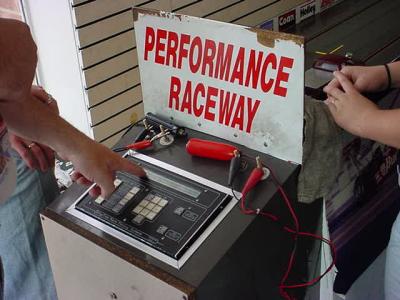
[27,118]
[17,60]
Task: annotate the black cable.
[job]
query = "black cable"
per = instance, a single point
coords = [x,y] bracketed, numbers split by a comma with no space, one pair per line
[132,125]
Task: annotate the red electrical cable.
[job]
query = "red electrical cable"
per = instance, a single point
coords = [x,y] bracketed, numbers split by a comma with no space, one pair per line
[296,232]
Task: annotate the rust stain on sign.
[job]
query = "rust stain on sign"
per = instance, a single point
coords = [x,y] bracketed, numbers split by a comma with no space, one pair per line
[152,12]
[268,38]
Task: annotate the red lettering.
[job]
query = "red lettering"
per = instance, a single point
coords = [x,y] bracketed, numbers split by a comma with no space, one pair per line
[195,65]
[223,62]
[253,70]
[285,62]
[172,46]
[160,46]
[174,90]
[251,112]
[198,110]
[237,73]
[210,103]
[187,98]
[183,52]
[226,106]
[269,60]
[149,42]
[239,114]
[208,60]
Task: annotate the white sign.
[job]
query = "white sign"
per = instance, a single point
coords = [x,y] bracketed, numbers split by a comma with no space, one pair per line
[241,84]
[307,10]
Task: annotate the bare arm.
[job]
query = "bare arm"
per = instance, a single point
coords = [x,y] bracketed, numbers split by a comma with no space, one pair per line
[27,118]
[361,117]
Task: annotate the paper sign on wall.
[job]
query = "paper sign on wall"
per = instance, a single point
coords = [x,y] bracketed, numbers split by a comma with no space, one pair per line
[241,84]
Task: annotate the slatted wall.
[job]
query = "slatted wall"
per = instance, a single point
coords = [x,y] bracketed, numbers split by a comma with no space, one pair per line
[107,51]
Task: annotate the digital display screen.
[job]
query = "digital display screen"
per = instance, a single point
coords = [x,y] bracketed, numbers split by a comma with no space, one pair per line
[172,184]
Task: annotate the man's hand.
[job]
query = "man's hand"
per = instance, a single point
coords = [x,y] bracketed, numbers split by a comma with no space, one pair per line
[95,163]
[349,108]
[364,79]
[35,155]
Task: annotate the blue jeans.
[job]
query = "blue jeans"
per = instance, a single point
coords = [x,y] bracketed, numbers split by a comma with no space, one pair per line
[392,268]
[27,272]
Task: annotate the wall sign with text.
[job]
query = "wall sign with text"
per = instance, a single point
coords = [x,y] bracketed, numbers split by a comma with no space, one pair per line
[287,20]
[241,84]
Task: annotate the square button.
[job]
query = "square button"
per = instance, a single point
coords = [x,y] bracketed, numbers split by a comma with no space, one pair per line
[150,206]
[157,209]
[144,203]
[117,208]
[151,215]
[99,200]
[162,229]
[129,196]
[134,190]
[149,197]
[163,202]
[138,219]
[117,182]
[124,201]
[156,199]
[179,210]
[144,212]
[137,209]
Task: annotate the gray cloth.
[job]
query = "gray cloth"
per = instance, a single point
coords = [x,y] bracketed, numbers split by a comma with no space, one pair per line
[322,152]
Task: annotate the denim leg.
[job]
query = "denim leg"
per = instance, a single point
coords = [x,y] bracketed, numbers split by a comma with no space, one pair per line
[27,272]
[392,268]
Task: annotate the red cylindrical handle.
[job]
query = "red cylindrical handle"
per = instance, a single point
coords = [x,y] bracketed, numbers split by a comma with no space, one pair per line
[139,145]
[209,149]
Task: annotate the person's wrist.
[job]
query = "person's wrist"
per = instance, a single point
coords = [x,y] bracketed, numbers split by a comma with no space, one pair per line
[388,78]
[368,119]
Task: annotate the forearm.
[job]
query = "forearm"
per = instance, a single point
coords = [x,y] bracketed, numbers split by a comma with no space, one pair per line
[383,126]
[31,120]
[395,74]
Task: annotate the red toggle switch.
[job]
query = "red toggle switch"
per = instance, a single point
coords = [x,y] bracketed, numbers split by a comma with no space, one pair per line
[209,149]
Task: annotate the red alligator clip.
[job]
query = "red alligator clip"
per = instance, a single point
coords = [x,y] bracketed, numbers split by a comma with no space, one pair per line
[254,178]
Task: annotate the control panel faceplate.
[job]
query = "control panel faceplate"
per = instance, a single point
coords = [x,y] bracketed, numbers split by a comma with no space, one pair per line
[168,211]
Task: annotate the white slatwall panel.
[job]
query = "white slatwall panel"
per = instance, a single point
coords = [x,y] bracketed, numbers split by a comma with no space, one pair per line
[110,68]
[120,121]
[157,4]
[112,87]
[205,7]
[106,47]
[99,9]
[100,30]
[268,12]
[116,105]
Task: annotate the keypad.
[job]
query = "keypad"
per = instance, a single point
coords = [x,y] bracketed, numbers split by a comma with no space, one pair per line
[150,207]
[120,198]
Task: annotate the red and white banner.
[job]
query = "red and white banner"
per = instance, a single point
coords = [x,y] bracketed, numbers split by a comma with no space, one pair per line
[241,84]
